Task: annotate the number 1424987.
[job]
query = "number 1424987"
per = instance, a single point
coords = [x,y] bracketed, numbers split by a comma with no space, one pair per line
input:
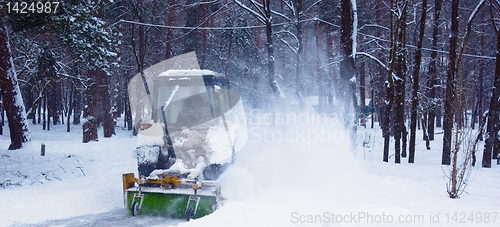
[32,7]
[472,217]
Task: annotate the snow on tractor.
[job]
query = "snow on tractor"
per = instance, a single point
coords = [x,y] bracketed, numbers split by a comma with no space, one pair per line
[190,124]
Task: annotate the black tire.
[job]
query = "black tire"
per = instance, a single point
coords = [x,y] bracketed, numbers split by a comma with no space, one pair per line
[134,208]
[189,213]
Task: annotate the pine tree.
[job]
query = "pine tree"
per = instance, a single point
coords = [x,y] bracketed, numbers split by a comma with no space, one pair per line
[84,33]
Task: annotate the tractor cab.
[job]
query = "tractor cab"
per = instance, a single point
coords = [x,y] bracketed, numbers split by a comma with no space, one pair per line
[195,124]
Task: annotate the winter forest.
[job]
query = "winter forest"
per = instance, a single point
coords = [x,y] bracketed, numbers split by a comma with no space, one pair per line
[400,65]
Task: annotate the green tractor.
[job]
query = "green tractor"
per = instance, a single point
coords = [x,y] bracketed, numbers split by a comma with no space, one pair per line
[190,125]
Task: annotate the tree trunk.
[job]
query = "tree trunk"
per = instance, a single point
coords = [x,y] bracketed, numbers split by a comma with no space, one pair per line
[1,116]
[39,111]
[55,102]
[347,69]
[491,142]
[170,22]
[270,51]
[389,91]
[362,95]
[347,64]
[191,40]
[229,37]
[319,72]
[48,105]
[399,88]
[433,73]
[381,88]
[104,101]
[128,113]
[450,86]
[416,73]
[389,100]
[425,130]
[333,90]
[30,104]
[203,37]
[70,108]
[481,82]
[77,107]
[89,113]
[44,114]
[372,107]
[395,58]
[117,111]
[11,94]
[300,52]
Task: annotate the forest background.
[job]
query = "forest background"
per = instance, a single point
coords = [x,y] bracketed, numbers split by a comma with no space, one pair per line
[407,64]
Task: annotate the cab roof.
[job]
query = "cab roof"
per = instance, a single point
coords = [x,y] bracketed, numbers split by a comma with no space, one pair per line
[189,72]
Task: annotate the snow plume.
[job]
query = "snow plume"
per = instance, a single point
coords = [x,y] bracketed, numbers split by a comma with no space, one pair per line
[294,162]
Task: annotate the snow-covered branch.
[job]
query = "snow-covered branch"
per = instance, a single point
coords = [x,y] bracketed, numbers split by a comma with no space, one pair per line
[326,22]
[378,61]
[294,50]
[288,33]
[428,49]
[312,5]
[39,98]
[258,15]
[493,21]
[281,15]
[468,30]
[290,6]
[207,28]
[374,25]
[201,3]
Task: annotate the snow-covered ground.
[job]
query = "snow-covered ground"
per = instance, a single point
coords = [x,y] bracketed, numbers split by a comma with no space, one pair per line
[288,175]
[72,179]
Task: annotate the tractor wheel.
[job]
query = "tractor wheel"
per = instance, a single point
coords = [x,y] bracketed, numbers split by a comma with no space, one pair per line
[135,208]
[189,213]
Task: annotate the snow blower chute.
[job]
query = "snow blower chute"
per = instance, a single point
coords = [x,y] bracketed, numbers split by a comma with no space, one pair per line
[190,124]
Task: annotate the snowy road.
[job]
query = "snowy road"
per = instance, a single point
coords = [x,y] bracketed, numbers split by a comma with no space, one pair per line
[118,217]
